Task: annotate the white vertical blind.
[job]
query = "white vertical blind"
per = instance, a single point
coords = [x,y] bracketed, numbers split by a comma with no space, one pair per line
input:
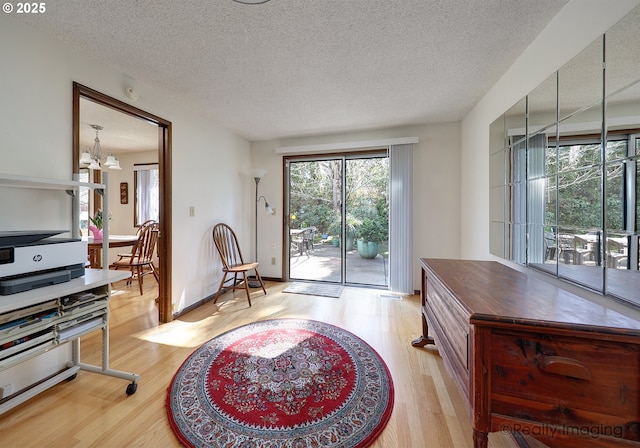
[536,192]
[401,219]
[519,204]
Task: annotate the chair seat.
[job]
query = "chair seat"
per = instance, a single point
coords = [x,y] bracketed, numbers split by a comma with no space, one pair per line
[132,261]
[242,267]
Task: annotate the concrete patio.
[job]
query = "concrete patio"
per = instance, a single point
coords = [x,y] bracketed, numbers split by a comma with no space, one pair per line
[323,263]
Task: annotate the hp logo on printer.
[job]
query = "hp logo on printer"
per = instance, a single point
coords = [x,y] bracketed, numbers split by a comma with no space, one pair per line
[37,258]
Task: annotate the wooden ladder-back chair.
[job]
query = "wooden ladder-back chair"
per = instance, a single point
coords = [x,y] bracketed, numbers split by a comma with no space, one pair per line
[226,243]
[141,228]
[140,261]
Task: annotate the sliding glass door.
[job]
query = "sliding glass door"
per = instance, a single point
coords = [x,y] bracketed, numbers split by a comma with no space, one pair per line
[338,219]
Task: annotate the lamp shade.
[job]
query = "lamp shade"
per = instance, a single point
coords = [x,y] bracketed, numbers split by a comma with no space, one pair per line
[94,165]
[111,161]
[85,158]
[258,174]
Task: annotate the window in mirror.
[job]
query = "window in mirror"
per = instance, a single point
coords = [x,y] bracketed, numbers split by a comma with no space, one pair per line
[515,130]
[146,179]
[615,211]
[519,204]
[579,197]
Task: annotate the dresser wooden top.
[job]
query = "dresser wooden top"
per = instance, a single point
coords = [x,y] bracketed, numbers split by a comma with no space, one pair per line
[490,291]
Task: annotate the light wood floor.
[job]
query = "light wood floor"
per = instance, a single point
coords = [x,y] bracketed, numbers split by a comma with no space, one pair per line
[94,411]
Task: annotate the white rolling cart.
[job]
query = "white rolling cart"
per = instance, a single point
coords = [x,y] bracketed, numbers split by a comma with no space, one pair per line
[36,321]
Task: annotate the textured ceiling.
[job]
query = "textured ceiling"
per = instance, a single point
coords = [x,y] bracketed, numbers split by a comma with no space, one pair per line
[290,68]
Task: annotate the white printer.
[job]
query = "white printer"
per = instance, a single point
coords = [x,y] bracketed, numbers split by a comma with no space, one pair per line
[33,259]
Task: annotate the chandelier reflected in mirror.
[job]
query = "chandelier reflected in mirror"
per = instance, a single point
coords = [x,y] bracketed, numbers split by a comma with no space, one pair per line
[93,158]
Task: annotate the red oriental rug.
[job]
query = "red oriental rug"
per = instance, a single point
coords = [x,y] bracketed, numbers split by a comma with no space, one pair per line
[281,383]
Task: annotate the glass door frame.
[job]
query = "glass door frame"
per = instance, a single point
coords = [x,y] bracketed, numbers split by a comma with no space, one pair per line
[343,157]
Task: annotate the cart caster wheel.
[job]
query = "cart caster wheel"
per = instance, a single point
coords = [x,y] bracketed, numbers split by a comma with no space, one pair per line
[131,388]
[72,377]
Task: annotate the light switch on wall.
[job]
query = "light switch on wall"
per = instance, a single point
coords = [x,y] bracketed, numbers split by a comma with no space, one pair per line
[192,211]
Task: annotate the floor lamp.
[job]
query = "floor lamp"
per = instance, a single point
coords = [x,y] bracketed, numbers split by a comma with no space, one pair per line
[257,176]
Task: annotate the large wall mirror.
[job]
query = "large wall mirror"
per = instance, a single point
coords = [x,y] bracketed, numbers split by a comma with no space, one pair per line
[564,179]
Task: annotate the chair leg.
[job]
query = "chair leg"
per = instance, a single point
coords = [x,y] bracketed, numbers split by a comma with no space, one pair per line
[246,286]
[260,280]
[224,277]
[154,270]
[235,281]
[140,278]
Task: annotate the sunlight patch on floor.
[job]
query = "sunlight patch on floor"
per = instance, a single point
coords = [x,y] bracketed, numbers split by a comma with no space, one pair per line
[181,334]
[391,296]
[118,292]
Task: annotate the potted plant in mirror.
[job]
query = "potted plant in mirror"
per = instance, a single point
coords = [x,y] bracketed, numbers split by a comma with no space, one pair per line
[370,233]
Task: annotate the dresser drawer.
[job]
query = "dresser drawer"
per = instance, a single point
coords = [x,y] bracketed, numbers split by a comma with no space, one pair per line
[450,328]
[566,380]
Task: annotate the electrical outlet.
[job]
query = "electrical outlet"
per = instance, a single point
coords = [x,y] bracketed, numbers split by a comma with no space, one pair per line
[273,260]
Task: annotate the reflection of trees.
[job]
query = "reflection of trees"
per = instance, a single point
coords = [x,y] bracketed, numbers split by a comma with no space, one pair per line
[579,184]
[316,190]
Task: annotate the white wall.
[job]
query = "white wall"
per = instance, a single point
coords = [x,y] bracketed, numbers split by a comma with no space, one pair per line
[210,164]
[436,190]
[572,30]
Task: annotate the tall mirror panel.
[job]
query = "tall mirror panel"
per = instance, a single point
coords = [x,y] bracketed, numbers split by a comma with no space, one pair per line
[580,84]
[516,155]
[497,188]
[541,175]
[622,50]
[580,167]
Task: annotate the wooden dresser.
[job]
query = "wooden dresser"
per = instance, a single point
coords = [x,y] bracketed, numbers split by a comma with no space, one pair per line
[532,358]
